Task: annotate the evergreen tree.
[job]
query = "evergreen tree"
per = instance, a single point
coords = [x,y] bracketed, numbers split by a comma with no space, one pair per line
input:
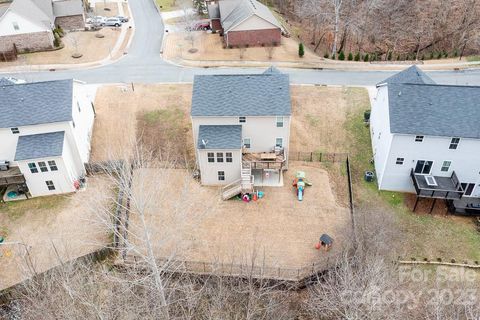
[366,58]
[341,56]
[301,50]
[358,57]
[350,56]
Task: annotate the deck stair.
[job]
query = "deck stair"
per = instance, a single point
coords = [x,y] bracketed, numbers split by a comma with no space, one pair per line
[242,185]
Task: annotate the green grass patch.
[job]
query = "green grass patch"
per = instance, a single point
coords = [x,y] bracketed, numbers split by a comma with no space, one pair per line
[425,236]
[16,209]
[173,116]
[473,58]
[166,5]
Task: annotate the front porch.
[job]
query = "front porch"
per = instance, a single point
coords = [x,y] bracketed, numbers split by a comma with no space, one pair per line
[13,185]
[436,187]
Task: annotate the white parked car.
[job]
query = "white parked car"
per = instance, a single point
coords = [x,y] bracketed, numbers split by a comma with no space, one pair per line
[113,22]
[97,20]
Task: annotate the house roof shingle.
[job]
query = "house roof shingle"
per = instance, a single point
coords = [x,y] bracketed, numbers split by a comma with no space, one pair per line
[219,137]
[412,74]
[233,12]
[39,12]
[436,110]
[266,94]
[35,103]
[38,146]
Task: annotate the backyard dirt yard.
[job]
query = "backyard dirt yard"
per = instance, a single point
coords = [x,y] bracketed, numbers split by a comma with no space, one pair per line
[53,228]
[210,48]
[189,222]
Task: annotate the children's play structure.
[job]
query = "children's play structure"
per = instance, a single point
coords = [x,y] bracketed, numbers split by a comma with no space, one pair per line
[300,183]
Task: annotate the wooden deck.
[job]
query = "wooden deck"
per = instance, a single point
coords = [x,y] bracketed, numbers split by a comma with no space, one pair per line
[11,176]
[264,160]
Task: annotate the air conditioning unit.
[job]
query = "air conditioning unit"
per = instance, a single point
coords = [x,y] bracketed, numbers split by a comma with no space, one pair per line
[4,165]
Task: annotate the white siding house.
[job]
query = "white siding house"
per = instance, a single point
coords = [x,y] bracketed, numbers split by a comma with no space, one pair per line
[241,128]
[426,138]
[45,130]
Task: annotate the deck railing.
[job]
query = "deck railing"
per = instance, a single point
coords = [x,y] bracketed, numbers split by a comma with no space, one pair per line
[436,192]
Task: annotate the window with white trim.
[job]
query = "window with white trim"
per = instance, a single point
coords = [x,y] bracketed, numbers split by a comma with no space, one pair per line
[53,165]
[229,157]
[247,142]
[211,157]
[50,185]
[242,119]
[454,143]
[400,161]
[219,156]
[43,166]
[446,166]
[15,25]
[221,175]
[15,130]
[423,167]
[279,122]
[418,138]
[279,142]
[33,167]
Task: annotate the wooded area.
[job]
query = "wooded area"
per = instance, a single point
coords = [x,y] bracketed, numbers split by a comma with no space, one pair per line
[386,29]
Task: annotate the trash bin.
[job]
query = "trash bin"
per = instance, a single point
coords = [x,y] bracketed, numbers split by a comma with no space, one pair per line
[368,176]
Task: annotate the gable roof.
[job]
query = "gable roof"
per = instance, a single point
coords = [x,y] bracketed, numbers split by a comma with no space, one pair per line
[37,146]
[435,110]
[39,12]
[265,94]
[219,137]
[65,8]
[233,12]
[4,7]
[412,74]
[35,103]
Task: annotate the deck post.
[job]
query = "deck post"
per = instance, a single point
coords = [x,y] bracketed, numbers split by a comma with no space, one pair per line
[433,205]
[416,202]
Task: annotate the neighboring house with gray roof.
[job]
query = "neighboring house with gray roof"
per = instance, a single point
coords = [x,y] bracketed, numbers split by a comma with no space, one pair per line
[241,128]
[426,137]
[28,24]
[45,129]
[245,23]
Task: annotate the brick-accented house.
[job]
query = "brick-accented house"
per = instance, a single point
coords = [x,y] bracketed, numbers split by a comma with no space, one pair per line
[245,23]
[28,23]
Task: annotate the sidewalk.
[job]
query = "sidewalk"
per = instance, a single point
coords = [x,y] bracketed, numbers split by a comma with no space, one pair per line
[117,53]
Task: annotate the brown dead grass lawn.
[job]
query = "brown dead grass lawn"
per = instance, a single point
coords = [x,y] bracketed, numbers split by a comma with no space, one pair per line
[210,48]
[65,221]
[117,109]
[92,48]
[190,222]
[100,9]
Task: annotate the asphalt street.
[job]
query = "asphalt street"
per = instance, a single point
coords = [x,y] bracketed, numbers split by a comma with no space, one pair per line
[143,63]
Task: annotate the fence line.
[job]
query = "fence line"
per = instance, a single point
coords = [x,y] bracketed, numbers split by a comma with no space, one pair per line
[231,269]
[316,156]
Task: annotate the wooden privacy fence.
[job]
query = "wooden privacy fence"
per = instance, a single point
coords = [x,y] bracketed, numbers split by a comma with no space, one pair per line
[231,269]
[317,156]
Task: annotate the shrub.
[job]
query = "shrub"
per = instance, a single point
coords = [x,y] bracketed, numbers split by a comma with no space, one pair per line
[431,55]
[326,55]
[366,58]
[423,57]
[445,54]
[398,57]
[439,259]
[341,56]
[301,50]
[56,42]
[350,56]
[439,55]
[357,57]
[455,53]
[453,261]
[389,56]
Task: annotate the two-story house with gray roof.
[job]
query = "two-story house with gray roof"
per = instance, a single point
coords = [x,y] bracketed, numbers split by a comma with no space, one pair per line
[45,133]
[241,128]
[426,139]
